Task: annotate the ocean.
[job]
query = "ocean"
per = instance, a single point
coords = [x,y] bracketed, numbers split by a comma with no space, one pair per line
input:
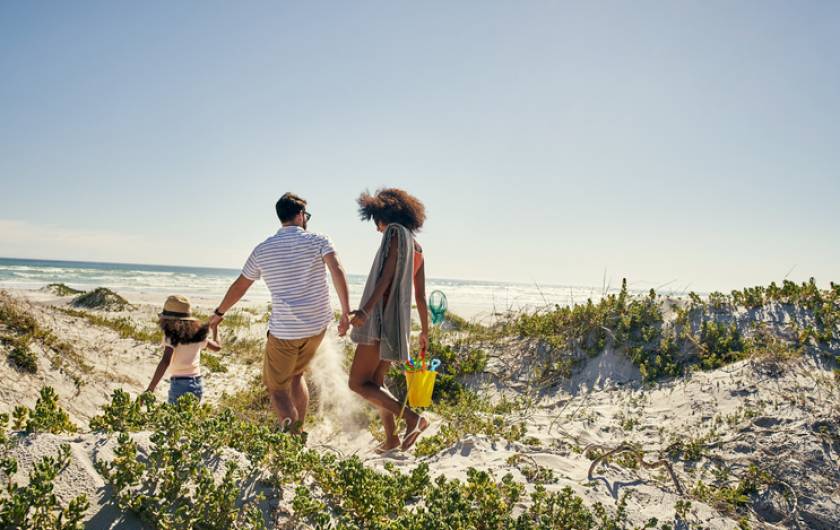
[145,283]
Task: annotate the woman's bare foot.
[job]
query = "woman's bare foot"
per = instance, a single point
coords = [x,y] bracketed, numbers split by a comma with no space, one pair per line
[388,445]
[413,430]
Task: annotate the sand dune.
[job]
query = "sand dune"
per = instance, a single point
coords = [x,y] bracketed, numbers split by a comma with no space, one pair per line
[746,412]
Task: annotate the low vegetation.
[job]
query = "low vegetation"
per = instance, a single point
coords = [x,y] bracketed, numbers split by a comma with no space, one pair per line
[701,334]
[213,363]
[33,505]
[246,349]
[21,355]
[469,414]
[125,326]
[60,289]
[339,492]
[251,403]
[101,298]
[20,332]
[219,467]
[47,416]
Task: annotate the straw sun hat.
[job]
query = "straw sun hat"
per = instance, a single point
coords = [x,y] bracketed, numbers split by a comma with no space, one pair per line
[177,308]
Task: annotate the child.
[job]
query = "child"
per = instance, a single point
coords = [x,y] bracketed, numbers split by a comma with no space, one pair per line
[183,339]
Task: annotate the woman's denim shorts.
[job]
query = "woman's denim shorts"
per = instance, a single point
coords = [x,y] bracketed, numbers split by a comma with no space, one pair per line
[178,386]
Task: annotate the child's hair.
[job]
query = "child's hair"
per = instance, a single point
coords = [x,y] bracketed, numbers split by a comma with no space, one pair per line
[183,331]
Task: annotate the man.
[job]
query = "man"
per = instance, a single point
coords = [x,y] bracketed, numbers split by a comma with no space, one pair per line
[292,263]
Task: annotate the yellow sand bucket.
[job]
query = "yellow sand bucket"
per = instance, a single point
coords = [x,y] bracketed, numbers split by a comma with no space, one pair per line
[421,384]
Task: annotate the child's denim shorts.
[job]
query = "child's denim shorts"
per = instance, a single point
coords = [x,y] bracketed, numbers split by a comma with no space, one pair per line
[178,386]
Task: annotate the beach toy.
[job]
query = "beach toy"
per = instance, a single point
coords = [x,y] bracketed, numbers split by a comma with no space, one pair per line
[433,366]
[437,306]
[421,383]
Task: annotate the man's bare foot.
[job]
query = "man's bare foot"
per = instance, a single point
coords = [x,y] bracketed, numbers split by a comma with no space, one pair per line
[388,445]
[413,430]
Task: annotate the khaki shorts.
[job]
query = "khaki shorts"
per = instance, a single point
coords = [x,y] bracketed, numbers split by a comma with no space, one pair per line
[286,358]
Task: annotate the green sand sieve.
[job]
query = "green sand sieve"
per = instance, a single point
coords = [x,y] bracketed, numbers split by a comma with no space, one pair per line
[437,306]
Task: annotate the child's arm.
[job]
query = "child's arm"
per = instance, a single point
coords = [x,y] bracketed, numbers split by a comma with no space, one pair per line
[161,368]
[214,344]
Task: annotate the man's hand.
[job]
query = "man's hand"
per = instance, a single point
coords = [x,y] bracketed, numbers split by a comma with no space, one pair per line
[343,324]
[215,320]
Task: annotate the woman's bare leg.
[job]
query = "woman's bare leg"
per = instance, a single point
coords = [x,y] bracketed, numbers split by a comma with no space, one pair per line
[363,381]
[389,422]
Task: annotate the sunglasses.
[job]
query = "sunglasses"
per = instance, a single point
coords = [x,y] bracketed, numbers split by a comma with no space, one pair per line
[307,215]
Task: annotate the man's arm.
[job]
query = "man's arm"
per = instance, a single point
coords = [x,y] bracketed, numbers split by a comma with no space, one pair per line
[339,280]
[161,368]
[234,293]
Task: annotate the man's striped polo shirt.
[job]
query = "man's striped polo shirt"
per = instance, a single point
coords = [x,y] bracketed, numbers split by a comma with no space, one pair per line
[292,264]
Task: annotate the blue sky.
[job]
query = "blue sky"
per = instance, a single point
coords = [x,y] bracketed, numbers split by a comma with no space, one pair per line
[697,142]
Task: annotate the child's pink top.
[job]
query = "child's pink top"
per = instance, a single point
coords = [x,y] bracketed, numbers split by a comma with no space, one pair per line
[185,358]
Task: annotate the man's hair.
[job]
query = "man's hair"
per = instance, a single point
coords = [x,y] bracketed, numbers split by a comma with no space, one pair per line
[392,205]
[288,206]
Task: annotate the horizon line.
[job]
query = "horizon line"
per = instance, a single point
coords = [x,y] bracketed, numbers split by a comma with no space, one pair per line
[234,269]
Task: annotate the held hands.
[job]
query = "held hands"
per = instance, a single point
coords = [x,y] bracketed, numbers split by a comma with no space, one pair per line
[343,324]
[360,316]
[214,322]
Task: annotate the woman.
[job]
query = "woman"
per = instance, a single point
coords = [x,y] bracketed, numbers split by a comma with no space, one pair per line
[382,324]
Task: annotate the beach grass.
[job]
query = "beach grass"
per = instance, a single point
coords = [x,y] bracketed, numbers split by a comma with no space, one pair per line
[60,289]
[213,363]
[125,326]
[22,331]
[102,298]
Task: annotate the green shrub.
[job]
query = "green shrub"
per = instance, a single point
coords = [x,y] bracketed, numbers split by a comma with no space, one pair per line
[455,364]
[173,487]
[35,506]
[21,355]
[722,344]
[733,498]
[47,416]
[123,414]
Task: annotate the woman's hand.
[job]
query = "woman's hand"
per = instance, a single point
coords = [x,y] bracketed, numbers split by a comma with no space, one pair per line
[424,340]
[360,316]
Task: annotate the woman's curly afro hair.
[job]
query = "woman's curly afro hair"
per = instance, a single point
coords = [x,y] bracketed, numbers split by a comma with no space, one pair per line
[392,205]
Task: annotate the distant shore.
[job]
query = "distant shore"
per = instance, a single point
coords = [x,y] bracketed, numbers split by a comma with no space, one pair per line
[206,286]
